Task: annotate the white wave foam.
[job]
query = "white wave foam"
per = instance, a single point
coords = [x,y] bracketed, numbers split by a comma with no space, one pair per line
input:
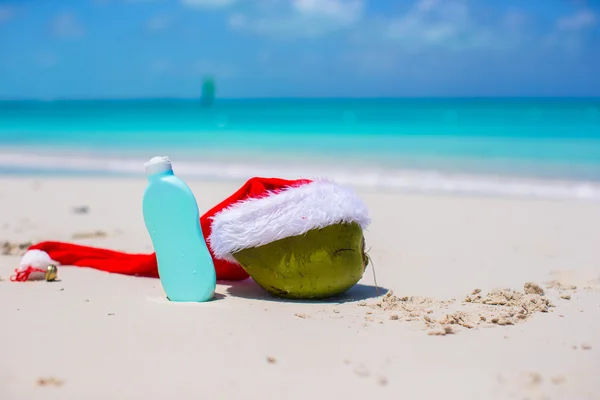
[405,180]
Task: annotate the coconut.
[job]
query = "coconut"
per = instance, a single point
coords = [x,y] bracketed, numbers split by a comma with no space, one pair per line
[318,264]
[297,239]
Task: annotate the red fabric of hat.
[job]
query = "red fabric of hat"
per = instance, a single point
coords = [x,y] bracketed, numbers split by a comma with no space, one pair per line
[39,256]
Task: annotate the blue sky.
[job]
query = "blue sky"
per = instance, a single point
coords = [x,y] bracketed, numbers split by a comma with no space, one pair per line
[300,48]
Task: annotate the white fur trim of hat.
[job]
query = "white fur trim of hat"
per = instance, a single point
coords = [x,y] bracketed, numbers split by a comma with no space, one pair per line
[289,212]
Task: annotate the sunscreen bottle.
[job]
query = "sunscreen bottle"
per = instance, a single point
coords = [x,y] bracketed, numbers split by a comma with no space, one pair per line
[185,266]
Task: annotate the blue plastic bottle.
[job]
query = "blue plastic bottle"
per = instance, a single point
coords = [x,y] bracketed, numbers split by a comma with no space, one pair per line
[171,214]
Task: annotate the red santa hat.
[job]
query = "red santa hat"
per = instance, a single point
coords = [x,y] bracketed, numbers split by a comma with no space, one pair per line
[263,210]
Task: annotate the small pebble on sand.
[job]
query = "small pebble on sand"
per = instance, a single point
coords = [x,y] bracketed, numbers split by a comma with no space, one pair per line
[443,331]
[362,371]
[80,210]
[51,381]
[533,288]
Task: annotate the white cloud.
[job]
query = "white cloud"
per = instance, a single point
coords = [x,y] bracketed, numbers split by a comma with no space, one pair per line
[300,18]
[336,10]
[208,3]
[217,69]
[195,69]
[159,22]
[372,61]
[581,20]
[6,13]
[46,60]
[201,4]
[66,25]
[238,21]
[430,33]
[433,22]
[515,19]
[566,35]
[159,66]
[456,25]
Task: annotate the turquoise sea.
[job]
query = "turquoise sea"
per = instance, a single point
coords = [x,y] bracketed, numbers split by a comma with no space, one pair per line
[526,147]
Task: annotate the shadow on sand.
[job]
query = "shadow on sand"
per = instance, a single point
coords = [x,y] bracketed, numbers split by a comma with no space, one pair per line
[249,289]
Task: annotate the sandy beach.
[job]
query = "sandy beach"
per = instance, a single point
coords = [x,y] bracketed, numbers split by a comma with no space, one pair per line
[479,298]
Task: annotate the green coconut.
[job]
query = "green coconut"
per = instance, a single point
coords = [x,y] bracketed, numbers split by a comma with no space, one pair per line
[318,264]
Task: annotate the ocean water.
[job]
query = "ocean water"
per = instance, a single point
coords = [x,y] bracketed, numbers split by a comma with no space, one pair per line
[521,147]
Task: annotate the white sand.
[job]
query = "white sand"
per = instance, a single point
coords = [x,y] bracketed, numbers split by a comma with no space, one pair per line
[95,335]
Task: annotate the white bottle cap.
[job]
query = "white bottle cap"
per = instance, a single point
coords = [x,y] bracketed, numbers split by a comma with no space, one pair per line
[157,165]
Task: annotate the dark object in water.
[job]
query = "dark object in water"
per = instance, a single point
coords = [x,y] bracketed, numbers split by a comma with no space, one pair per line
[208,92]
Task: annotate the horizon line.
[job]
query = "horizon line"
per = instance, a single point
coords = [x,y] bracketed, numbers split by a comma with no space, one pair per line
[185,98]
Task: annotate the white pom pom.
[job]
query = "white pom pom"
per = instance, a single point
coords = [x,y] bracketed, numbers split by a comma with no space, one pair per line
[36,259]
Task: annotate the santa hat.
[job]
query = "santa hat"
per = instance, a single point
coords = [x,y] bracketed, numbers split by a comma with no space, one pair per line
[262,211]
